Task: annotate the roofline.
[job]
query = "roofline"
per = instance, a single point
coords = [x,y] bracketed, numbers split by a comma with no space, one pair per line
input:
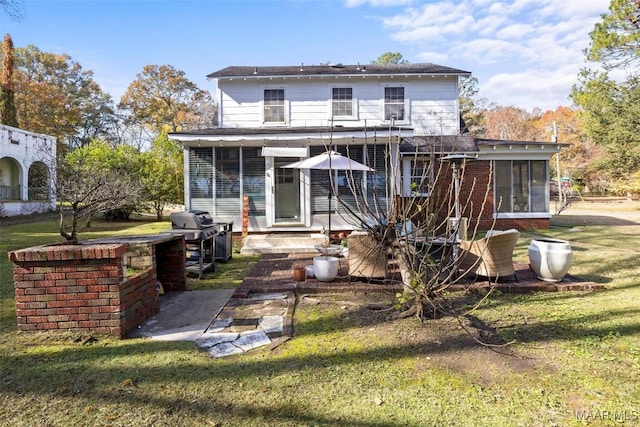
[285,76]
[257,72]
[496,142]
[304,134]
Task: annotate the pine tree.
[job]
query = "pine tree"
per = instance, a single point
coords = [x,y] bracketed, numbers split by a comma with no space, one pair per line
[8,114]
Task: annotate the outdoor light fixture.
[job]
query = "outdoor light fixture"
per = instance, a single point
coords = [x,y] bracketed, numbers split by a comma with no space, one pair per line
[457,162]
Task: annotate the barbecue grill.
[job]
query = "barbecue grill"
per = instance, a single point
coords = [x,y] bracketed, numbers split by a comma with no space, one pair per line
[199,233]
[194,225]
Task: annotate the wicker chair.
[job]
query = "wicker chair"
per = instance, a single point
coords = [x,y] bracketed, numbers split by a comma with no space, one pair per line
[367,258]
[491,256]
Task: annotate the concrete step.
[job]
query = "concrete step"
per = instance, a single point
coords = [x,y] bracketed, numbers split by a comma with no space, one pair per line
[256,244]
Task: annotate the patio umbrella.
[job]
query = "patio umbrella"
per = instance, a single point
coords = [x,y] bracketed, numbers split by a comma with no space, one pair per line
[330,161]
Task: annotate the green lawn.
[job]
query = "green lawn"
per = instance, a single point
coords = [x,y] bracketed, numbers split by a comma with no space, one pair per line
[575,355]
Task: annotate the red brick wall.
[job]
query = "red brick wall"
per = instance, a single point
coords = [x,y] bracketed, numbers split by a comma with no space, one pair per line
[84,287]
[170,258]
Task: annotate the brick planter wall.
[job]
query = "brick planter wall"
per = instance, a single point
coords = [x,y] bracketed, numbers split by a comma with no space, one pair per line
[85,287]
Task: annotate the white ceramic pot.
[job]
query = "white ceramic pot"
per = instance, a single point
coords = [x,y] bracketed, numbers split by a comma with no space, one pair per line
[326,268]
[550,259]
[310,273]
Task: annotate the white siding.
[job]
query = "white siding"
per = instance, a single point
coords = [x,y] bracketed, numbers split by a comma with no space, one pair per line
[431,102]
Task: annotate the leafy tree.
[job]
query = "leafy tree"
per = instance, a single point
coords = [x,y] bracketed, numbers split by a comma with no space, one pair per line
[162,174]
[163,99]
[611,116]
[615,41]
[7,98]
[95,178]
[471,108]
[569,127]
[390,58]
[55,96]
[509,123]
[610,107]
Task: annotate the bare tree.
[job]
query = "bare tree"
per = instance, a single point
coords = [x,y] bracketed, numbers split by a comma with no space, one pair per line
[412,221]
[14,9]
[94,179]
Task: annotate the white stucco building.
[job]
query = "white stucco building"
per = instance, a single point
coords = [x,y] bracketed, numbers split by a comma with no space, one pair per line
[27,172]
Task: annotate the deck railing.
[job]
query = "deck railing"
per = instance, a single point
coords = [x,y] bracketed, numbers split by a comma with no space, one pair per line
[9,192]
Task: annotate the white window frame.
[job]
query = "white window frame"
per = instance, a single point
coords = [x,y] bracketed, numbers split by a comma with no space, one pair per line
[521,214]
[408,176]
[285,106]
[405,119]
[354,103]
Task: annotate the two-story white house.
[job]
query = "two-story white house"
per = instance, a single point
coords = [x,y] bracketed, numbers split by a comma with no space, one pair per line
[380,115]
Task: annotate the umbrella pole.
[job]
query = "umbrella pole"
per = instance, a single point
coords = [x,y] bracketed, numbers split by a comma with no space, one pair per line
[330,193]
[330,197]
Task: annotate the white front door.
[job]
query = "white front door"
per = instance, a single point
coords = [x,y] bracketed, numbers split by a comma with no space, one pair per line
[286,204]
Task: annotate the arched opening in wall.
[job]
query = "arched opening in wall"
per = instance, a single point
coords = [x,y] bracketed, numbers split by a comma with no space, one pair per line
[38,182]
[9,179]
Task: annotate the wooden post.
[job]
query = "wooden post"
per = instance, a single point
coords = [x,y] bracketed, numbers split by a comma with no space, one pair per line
[245,216]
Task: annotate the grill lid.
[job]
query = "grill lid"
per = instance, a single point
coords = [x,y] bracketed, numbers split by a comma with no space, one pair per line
[191,220]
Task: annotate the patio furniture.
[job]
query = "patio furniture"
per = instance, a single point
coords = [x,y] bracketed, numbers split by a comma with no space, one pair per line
[491,256]
[367,258]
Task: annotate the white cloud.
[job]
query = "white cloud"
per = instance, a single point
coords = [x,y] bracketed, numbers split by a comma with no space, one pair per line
[433,15]
[377,3]
[488,51]
[527,51]
[532,88]
[515,31]
[433,57]
[577,9]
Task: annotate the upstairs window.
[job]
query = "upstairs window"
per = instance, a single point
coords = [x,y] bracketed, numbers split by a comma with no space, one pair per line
[341,102]
[274,106]
[394,103]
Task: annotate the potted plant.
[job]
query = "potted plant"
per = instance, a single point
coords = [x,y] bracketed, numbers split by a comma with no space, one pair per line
[345,248]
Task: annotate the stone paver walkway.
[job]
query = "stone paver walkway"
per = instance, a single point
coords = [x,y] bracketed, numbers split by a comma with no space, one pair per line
[248,323]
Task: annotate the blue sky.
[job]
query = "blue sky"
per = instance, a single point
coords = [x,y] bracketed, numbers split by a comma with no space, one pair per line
[525,53]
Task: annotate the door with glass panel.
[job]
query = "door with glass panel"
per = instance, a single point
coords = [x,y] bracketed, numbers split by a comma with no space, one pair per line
[286,192]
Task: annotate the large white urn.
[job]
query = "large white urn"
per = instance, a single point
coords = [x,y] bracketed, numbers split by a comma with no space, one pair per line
[326,268]
[550,259]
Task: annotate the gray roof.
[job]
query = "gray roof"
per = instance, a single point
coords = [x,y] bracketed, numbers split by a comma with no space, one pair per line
[484,141]
[464,143]
[335,70]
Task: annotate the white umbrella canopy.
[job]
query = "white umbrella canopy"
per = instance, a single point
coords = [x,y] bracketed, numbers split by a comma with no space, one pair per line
[329,160]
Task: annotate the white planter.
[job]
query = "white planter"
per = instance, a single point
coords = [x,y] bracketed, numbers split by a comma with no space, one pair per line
[550,259]
[326,268]
[310,273]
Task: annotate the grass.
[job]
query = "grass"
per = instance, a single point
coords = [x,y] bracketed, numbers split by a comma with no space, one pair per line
[575,355]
